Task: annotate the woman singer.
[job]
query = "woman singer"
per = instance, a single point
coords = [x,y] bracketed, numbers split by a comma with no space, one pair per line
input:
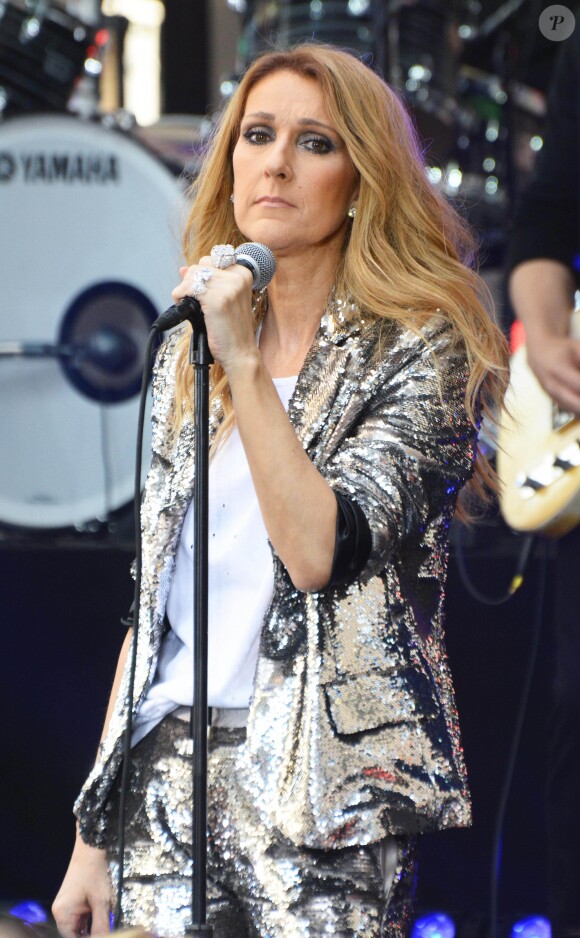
[345,403]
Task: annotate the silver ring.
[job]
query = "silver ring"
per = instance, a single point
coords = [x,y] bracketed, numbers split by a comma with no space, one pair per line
[197,287]
[222,256]
[199,281]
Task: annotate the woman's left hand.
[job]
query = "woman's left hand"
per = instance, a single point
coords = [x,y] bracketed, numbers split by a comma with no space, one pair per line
[226,304]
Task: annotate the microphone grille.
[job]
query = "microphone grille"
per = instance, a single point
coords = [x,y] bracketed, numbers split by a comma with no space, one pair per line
[263,262]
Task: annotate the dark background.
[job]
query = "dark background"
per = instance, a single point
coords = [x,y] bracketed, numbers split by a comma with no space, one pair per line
[61,633]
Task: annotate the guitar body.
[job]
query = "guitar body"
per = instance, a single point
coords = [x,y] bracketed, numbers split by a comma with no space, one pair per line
[538,458]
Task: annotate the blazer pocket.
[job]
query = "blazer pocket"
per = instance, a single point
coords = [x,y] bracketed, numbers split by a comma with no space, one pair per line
[378,698]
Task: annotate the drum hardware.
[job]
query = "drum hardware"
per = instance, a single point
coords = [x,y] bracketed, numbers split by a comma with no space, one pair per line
[499,132]
[482,134]
[16,349]
[422,59]
[105,349]
[111,81]
[106,327]
[492,23]
[267,24]
[89,11]
[106,366]
[105,363]
[527,119]
[120,119]
[43,51]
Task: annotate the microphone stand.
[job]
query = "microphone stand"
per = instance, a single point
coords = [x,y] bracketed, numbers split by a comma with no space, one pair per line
[200,357]
[261,263]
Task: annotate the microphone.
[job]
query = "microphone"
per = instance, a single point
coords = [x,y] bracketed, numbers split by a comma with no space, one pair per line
[252,255]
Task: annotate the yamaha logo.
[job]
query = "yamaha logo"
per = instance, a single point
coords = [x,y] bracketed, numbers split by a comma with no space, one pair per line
[38,166]
[7,167]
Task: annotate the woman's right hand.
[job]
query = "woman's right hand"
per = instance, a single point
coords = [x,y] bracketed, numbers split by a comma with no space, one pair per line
[85,891]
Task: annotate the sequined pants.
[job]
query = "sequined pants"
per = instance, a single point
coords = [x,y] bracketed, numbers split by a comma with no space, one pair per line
[259,884]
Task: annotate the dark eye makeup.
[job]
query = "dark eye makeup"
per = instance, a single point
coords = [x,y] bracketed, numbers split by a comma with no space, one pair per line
[313,142]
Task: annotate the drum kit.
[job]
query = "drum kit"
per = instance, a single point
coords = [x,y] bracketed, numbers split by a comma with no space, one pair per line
[91,211]
[90,227]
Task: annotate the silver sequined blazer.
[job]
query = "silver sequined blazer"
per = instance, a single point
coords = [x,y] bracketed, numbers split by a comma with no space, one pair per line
[352,731]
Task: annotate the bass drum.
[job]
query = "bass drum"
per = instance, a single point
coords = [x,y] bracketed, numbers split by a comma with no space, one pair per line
[89,254]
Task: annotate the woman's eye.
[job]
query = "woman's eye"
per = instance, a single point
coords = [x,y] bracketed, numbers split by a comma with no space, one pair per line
[317,144]
[257,135]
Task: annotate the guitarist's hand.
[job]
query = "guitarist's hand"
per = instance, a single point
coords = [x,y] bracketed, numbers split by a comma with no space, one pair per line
[542,295]
[555,361]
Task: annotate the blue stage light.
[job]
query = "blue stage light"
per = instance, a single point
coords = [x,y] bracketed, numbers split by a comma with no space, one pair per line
[434,925]
[533,927]
[30,912]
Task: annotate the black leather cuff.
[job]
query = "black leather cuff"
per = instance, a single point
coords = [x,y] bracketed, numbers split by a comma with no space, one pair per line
[353,542]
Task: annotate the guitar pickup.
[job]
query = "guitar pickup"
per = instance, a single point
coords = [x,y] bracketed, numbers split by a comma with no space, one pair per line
[569,457]
[528,486]
[549,470]
[563,463]
[540,477]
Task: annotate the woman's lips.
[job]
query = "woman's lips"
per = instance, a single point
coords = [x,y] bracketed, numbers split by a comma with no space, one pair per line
[273,201]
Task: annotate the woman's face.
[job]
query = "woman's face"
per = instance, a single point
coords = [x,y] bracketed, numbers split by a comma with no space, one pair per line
[293,178]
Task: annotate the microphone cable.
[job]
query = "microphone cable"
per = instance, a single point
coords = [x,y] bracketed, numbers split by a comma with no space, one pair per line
[495,872]
[149,351]
[516,582]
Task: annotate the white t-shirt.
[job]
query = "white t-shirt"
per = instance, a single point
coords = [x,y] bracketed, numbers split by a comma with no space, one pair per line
[240,588]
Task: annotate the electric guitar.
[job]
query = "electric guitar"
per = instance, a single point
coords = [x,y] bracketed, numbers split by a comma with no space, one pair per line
[538,457]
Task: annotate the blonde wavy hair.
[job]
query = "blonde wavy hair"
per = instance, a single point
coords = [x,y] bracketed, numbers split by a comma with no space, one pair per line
[407,254]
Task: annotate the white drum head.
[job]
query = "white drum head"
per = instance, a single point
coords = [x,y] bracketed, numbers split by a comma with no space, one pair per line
[90,227]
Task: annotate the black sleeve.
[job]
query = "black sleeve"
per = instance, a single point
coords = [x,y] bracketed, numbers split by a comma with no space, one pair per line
[353,541]
[547,218]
